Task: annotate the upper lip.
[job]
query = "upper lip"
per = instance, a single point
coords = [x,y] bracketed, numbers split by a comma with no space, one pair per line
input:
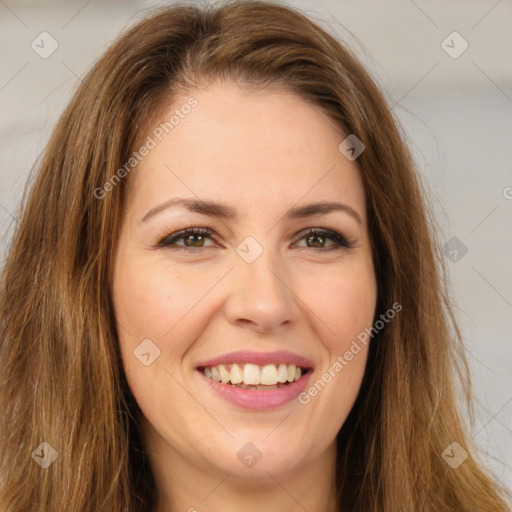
[259,358]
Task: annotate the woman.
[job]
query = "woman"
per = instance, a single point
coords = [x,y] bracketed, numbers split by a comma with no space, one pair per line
[223,291]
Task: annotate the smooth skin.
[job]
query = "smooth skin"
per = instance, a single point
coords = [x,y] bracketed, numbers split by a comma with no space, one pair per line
[260,153]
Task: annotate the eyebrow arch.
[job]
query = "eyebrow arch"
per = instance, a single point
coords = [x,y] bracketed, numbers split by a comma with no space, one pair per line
[214,209]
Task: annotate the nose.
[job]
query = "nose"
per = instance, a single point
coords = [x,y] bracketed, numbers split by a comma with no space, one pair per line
[261,296]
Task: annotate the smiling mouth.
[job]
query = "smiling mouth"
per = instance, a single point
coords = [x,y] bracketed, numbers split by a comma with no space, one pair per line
[254,377]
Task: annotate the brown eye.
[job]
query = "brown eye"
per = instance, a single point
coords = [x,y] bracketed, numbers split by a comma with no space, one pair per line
[194,238]
[317,238]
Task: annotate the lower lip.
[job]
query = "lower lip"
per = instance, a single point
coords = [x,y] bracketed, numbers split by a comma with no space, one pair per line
[258,400]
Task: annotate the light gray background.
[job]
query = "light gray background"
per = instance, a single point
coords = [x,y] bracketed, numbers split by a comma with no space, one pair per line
[457,114]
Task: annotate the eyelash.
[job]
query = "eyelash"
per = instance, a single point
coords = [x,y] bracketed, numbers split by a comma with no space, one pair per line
[339,241]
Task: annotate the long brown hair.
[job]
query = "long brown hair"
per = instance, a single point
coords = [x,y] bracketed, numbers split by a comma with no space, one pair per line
[62,380]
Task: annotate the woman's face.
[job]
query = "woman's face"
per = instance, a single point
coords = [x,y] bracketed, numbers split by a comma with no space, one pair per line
[257,292]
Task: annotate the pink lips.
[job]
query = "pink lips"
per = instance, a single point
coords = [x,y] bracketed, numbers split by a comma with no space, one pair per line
[259,358]
[258,400]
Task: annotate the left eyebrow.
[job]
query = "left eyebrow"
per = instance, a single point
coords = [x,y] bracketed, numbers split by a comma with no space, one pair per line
[309,210]
[214,209]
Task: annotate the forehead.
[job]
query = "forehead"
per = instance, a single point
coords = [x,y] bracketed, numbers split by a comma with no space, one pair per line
[255,147]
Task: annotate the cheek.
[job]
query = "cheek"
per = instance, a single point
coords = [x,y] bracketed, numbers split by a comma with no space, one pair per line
[345,302]
[152,301]
[149,297]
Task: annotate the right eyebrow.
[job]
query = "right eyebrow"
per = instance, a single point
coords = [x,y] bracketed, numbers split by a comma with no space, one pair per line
[194,205]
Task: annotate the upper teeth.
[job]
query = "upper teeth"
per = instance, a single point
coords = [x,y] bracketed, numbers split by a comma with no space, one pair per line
[269,374]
